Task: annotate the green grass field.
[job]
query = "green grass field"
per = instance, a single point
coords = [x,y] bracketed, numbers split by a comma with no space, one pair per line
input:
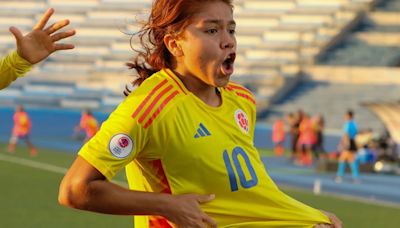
[29,197]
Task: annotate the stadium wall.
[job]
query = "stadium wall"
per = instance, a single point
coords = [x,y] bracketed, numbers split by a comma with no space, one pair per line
[54,128]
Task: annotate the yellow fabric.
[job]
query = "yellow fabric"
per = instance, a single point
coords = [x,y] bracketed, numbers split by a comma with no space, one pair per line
[199,149]
[133,172]
[11,67]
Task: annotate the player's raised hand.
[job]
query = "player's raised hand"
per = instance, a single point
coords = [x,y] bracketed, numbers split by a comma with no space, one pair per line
[40,42]
[185,211]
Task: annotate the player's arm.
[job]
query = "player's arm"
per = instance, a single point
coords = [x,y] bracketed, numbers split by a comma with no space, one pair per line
[33,48]
[85,188]
[12,66]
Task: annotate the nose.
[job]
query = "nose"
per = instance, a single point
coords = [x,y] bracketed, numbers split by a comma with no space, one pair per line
[228,40]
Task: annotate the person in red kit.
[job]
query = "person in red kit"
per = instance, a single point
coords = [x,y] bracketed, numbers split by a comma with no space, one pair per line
[88,124]
[278,137]
[21,130]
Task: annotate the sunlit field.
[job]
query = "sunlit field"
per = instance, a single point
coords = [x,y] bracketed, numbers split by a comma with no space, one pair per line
[30,185]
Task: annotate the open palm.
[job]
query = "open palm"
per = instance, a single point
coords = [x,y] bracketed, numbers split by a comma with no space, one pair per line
[40,42]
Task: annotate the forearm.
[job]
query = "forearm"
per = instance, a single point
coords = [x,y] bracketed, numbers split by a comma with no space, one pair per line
[106,197]
[11,67]
[85,188]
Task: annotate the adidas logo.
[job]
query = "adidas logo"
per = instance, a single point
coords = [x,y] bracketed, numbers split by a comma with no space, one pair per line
[202,131]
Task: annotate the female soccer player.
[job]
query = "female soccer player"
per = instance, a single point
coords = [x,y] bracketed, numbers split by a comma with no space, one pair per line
[33,48]
[21,130]
[278,136]
[188,131]
[88,124]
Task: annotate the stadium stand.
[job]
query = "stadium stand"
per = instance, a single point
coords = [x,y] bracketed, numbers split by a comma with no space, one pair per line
[374,42]
[389,112]
[333,99]
[359,66]
[276,39]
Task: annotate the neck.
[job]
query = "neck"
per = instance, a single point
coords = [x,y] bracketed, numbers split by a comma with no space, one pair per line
[207,93]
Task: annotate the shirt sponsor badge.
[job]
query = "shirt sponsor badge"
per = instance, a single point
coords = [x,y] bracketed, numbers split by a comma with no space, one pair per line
[242,120]
[120,145]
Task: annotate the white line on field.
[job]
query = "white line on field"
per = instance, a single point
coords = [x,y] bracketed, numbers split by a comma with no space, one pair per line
[41,165]
[62,170]
[343,196]
[33,164]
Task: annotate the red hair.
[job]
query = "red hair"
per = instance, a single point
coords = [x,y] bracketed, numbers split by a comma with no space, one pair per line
[167,17]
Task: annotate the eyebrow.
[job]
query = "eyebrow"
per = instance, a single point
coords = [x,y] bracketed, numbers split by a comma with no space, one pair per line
[232,22]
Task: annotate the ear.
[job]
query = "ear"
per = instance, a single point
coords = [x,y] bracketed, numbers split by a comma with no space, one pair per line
[172,43]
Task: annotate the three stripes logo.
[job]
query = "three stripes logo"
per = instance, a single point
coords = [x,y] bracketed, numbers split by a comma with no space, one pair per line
[154,103]
[202,131]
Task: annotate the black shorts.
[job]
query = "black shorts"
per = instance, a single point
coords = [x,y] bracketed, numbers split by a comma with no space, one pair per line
[352,145]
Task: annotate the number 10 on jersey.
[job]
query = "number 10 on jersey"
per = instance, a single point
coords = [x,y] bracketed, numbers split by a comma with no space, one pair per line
[236,166]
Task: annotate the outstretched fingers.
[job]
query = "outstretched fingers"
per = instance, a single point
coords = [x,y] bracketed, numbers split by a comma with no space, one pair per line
[56,26]
[52,28]
[43,21]
[17,34]
[58,47]
[62,35]
[58,36]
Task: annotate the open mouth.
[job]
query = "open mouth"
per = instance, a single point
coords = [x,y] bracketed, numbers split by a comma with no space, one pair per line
[227,65]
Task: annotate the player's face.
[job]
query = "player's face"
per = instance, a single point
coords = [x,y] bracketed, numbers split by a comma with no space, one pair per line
[208,45]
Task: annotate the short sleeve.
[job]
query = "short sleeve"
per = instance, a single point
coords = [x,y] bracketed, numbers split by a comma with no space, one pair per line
[118,141]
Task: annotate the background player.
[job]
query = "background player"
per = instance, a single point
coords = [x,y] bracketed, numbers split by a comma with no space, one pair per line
[21,130]
[88,124]
[349,149]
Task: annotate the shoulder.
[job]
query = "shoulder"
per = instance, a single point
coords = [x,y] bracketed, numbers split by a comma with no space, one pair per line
[154,97]
[158,84]
[241,92]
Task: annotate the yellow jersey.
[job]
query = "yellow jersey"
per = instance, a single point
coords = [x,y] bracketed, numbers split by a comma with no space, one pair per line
[11,67]
[172,142]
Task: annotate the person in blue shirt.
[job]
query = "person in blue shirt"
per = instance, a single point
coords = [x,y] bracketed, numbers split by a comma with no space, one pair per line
[349,149]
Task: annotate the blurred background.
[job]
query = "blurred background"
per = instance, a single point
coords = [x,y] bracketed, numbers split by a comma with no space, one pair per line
[315,58]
